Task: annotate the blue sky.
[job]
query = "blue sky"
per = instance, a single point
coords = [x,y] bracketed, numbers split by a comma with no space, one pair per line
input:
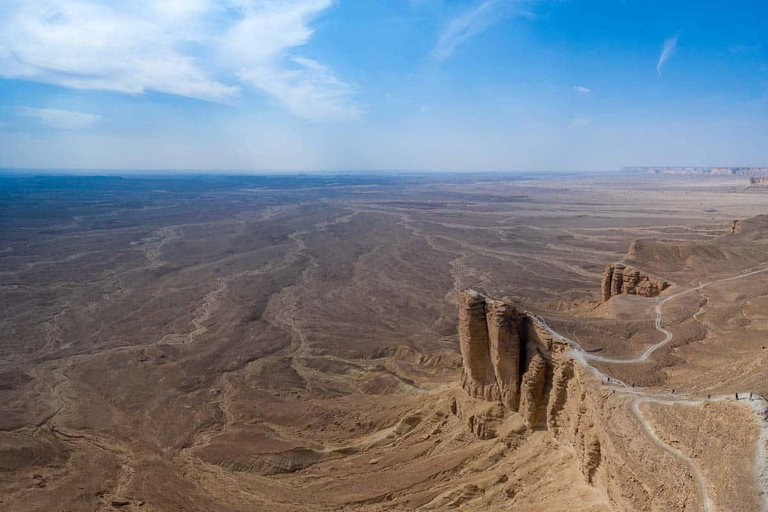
[373,85]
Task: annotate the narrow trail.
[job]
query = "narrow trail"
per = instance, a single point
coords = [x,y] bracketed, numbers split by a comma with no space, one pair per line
[706,505]
[757,403]
[667,335]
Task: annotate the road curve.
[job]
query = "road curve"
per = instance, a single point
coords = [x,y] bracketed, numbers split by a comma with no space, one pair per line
[759,404]
[667,335]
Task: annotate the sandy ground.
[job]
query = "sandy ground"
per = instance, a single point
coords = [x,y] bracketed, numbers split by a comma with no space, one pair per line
[291,345]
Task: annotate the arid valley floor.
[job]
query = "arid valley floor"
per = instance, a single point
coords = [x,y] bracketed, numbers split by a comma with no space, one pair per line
[291,343]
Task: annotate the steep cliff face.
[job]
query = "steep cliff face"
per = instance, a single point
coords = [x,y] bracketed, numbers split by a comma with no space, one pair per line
[504,348]
[489,337]
[508,357]
[478,378]
[542,387]
[619,279]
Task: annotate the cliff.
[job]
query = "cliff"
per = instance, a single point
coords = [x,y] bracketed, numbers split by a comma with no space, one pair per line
[506,355]
[619,279]
[541,387]
[490,344]
[552,392]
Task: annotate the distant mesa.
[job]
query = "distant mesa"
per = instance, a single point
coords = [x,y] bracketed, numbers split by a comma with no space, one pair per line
[711,171]
[758,181]
[620,279]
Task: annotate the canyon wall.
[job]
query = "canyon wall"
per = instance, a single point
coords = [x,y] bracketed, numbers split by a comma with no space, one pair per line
[490,346]
[541,387]
[507,356]
[758,182]
[620,279]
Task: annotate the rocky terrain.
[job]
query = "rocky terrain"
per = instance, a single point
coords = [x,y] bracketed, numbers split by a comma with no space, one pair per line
[618,279]
[305,343]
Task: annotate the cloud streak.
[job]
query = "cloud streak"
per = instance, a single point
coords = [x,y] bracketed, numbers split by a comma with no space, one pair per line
[580,122]
[669,49]
[61,119]
[582,89]
[205,49]
[465,26]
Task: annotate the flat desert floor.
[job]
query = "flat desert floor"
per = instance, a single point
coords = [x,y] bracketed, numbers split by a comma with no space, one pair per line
[290,342]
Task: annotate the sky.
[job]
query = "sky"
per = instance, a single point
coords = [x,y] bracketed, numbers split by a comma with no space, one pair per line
[409,85]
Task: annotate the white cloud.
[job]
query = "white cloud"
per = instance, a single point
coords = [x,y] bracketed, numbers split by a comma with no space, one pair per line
[580,122]
[670,46]
[61,119]
[205,49]
[465,26]
[308,89]
[581,88]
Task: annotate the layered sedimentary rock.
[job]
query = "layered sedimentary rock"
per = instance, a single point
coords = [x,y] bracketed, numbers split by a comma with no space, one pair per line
[504,352]
[490,347]
[532,390]
[504,349]
[478,378]
[620,279]
[509,358]
[555,393]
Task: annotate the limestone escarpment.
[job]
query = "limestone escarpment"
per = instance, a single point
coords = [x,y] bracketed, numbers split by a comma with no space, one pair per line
[557,394]
[620,279]
[506,354]
[489,336]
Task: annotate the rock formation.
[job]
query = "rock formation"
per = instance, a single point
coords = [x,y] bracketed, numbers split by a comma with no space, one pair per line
[736,227]
[553,393]
[758,182]
[504,348]
[505,354]
[620,279]
[532,390]
[512,364]
[490,346]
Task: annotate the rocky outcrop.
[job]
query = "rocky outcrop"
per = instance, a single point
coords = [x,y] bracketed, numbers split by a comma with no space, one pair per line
[504,349]
[559,395]
[506,355]
[758,182]
[532,390]
[489,337]
[478,378]
[736,227]
[620,279]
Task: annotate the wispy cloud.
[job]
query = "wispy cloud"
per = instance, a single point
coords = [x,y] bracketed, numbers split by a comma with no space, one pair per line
[204,49]
[580,122]
[581,88]
[670,46]
[745,48]
[468,24]
[61,119]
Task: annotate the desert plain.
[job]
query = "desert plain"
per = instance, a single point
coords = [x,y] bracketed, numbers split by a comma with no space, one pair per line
[291,343]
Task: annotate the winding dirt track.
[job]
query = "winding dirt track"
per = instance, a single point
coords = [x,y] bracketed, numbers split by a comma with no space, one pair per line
[759,405]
